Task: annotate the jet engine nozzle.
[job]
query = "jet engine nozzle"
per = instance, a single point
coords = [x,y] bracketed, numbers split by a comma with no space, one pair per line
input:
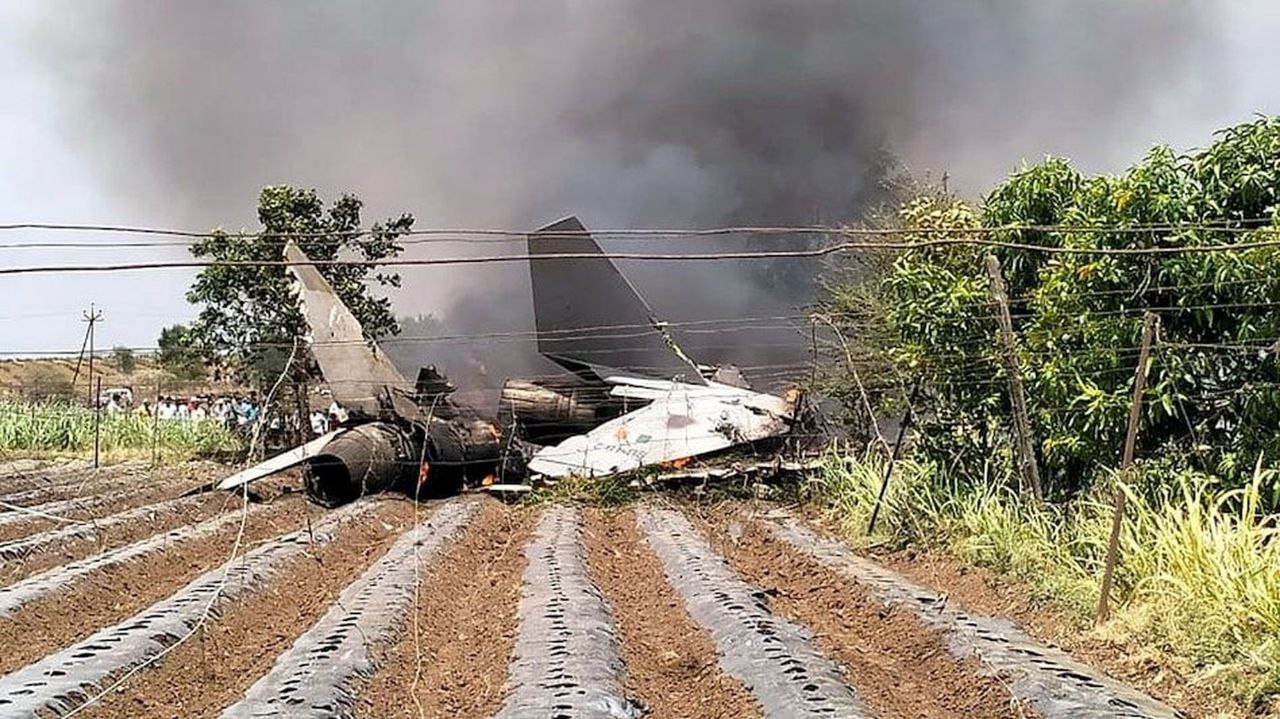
[363,460]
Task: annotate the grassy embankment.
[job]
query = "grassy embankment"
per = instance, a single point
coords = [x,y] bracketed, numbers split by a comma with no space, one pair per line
[1199,575]
[42,430]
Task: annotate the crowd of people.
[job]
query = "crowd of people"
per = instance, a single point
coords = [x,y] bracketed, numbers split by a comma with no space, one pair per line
[234,413]
[231,412]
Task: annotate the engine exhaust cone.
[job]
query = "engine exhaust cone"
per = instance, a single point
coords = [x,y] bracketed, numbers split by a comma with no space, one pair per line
[367,459]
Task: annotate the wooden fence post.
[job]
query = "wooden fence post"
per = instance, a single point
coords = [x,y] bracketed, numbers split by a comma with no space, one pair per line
[903,428]
[155,428]
[1149,323]
[1024,445]
[97,419]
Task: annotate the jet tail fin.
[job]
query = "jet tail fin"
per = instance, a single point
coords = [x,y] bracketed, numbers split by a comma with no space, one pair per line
[589,318]
[360,375]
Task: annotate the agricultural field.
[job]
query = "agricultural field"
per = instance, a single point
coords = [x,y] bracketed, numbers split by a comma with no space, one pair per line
[45,429]
[124,598]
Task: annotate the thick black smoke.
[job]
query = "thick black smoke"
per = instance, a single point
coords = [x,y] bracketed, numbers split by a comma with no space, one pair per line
[640,113]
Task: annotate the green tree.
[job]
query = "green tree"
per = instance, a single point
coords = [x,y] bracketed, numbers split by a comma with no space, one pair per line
[179,355]
[124,359]
[1213,398]
[250,318]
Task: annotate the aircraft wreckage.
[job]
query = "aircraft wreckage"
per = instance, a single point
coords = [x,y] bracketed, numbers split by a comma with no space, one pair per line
[650,405]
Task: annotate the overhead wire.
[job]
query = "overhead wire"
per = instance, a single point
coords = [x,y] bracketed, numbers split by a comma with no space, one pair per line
[943,237]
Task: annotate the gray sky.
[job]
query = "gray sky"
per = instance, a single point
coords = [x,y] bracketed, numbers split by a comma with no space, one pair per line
[629,113]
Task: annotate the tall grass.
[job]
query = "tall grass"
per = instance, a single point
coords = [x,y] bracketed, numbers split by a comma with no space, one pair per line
[61,429]
[1199,572]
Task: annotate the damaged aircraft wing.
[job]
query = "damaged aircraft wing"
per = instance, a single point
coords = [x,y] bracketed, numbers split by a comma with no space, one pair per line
[680,422]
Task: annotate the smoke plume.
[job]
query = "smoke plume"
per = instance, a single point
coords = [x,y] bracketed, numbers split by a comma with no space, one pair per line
[638,113]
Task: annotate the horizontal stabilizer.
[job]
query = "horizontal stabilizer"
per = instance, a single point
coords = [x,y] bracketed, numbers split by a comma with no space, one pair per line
[281,462]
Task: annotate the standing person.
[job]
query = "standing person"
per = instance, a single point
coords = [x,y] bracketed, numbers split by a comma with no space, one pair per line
[226,413]
[319,423]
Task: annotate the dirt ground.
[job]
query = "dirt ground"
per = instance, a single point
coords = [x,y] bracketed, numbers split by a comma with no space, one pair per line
[453,662]
[451,654]
[671,661]
[213,670]
[119,592]
[901,668]
[984,592]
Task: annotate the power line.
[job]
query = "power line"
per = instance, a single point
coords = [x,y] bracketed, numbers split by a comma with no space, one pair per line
[644,257]
[1224,225]
[670,257]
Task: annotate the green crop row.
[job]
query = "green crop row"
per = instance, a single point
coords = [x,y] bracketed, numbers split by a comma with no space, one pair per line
[34,429]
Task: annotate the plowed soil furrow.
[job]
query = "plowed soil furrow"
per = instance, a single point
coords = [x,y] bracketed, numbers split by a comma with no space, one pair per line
[61,484]
[57,546]
[39,517]
[62,577]
[214,668]
[105,597]
[79,488]
[50,495]
[774,657]
[18,524]
[57,474]
[1047,678]
[454,662]
[320,675]
[671,662]
[900,667]
[68,679]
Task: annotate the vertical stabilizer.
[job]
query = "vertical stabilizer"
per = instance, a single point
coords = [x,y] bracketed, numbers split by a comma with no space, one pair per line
[589,317]
[360,376]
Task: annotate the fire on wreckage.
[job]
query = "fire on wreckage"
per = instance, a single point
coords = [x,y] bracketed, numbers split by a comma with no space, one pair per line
[648,405]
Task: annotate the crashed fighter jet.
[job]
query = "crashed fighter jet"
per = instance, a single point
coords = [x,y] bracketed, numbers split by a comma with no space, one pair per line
[633,398]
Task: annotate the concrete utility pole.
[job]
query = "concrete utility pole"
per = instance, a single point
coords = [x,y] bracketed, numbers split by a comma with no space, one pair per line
[1149,324]
[1017,394]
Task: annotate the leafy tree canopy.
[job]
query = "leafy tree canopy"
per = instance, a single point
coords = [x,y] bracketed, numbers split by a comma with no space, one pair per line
[1212,401]
[249,317]
[124,359]
[178,354]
